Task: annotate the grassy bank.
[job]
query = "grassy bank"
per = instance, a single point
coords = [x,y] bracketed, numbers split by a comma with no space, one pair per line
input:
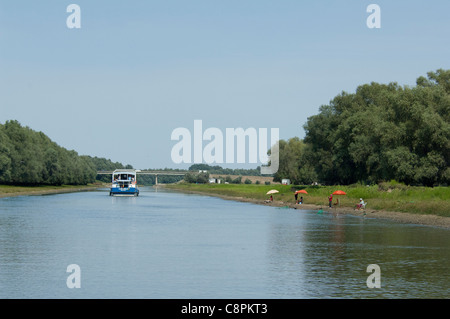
[8,190]
[388,196]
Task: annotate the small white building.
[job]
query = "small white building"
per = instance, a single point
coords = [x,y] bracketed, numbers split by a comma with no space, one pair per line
[214,181]
[286,181]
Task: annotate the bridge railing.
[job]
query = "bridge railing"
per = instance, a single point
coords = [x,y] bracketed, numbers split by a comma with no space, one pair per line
[146,173]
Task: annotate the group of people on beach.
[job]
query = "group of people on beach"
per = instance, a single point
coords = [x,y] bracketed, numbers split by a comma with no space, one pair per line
[359,206]
[269,200]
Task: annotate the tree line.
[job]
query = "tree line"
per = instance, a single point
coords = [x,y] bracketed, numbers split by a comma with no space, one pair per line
[381,132]
[216,169]
[28,157]
[199,173]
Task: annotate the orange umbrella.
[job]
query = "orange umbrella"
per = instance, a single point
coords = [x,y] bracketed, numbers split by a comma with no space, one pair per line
[339,192]
[301,191]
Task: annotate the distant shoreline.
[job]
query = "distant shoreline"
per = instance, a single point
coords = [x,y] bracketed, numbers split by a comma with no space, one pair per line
[407,218]
[13,191]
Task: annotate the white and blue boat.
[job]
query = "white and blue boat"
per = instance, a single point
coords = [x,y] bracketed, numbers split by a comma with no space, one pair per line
[124,183]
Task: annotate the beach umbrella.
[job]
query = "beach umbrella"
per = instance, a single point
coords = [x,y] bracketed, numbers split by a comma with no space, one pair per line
[301,192]
[273,191]
[339,192]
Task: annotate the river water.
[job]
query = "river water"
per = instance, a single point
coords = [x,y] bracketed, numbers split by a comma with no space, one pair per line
[165,244]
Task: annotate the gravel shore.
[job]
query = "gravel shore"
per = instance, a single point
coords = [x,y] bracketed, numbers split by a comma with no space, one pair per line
[48,191]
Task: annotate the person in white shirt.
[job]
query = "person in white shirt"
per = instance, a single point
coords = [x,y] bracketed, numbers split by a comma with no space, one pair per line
[361,204]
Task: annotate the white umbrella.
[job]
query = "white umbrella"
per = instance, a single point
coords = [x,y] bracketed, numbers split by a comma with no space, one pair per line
[273,191]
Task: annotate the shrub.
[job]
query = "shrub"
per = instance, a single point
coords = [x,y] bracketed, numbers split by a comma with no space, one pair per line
[386,186]
[237,180]
[201,178]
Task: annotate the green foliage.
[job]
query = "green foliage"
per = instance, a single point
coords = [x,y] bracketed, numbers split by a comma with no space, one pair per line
[196,178]
[247,181]
[225,171]
[103,164]
[28,157]
[389,186]
[379,133]
[237,180]
[162,179]
[389,196]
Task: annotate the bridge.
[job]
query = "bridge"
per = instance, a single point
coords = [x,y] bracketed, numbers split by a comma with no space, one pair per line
[148,172]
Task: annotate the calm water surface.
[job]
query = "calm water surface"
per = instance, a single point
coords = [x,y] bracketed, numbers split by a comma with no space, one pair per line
[169,245]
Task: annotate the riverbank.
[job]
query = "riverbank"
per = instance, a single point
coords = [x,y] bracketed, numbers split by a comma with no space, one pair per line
[256,194]
[10,191]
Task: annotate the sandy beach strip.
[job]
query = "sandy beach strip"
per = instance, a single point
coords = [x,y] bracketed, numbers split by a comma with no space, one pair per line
[48,191]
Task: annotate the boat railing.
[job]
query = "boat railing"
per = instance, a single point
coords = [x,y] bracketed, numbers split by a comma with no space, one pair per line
[124,182]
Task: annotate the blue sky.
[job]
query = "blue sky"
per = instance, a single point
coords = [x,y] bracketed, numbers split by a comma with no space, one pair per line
[137,70]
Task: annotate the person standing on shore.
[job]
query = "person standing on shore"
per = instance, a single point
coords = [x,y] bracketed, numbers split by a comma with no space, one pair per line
[296,197]
[330,200]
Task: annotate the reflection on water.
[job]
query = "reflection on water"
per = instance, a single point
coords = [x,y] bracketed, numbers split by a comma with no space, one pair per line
[171,245]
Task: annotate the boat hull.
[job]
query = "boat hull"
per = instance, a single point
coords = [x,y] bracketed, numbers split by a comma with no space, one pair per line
[121,191]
